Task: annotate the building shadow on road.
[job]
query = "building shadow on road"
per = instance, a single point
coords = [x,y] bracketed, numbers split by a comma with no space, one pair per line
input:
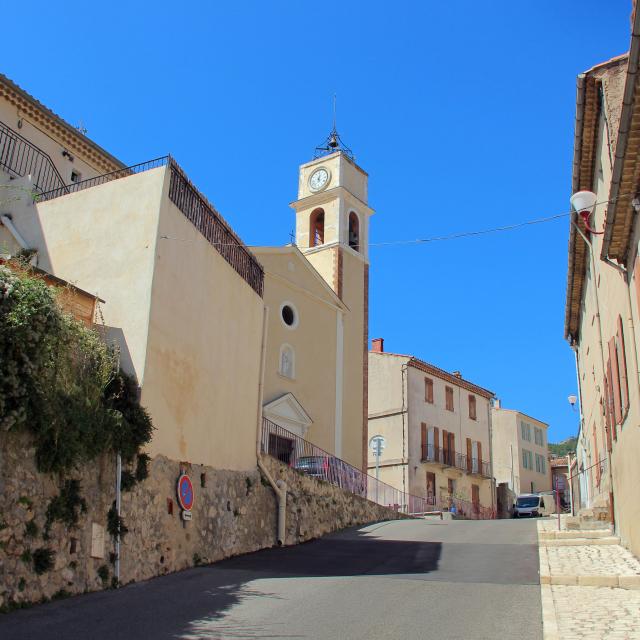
[194,603]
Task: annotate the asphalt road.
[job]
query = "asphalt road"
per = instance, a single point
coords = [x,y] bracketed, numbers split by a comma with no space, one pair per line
[406,579]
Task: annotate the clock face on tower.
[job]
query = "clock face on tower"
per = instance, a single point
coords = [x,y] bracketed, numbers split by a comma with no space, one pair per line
[319,179]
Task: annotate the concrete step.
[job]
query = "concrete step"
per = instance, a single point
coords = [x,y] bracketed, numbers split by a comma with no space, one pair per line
[619,582]
[575,542]
[588,534]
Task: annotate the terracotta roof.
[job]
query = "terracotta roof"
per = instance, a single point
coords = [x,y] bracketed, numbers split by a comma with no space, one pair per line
[605,77]
[559,462]
[440,373]
[625,174]
[67,134]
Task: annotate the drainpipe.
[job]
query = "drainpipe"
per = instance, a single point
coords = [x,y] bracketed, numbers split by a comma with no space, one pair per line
[493,479]
[279,487]
[118,501]
[602,361]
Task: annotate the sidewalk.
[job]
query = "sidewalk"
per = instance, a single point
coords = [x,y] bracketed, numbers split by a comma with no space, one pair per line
[590,584]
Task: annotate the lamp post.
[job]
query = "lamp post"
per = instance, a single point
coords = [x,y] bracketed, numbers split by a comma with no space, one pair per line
[377,445]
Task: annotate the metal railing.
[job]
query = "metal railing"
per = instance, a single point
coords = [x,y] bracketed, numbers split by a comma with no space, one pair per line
[20,158]
[449,458]
[104,178]
[196,209]
[307,458]
[214,228]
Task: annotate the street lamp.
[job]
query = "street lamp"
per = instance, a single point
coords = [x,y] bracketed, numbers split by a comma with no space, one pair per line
[572,401]
[584,203]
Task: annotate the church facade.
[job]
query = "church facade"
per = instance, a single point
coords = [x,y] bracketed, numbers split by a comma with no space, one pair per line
[316,291]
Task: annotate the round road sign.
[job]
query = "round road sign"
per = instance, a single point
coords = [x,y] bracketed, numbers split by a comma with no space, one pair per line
[185,492]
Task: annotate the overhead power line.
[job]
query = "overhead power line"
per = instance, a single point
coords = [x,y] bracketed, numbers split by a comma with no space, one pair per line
[481,232]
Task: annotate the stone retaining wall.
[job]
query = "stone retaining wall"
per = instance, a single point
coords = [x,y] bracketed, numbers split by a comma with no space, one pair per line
[233,513]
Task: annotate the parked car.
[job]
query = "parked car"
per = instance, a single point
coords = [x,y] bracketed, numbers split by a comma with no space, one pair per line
[333,470]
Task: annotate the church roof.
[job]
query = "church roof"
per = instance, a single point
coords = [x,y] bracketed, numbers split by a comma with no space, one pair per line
[291,251]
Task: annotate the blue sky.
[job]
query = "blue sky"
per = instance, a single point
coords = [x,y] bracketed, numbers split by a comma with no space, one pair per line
[461,112]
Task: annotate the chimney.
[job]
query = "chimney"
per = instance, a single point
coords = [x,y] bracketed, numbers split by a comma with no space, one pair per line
[457,374]
[496,403]
[377,345]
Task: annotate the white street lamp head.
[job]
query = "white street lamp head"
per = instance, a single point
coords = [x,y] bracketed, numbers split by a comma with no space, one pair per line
[583,201]
[572,400]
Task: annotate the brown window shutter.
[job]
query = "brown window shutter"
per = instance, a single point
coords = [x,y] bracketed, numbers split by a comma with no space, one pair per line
[617,409]
[480,458]
[423,440]
[445,447]
[436,444]
[610,427]
[469,454]
[622,367]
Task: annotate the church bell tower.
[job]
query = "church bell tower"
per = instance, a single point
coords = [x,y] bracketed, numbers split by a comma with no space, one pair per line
[332,231]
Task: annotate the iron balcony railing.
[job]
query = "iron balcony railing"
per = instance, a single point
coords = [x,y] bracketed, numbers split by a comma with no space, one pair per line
[20,158]
[449,458]
[195,207]
[307,458]
[102,179]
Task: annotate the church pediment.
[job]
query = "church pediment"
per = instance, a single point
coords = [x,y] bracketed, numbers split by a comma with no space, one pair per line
[288,413]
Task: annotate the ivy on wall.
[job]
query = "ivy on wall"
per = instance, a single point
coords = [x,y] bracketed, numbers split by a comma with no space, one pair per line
[59,380]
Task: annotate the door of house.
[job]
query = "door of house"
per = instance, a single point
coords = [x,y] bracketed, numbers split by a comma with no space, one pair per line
[280,448]
[475,498]
[431,487]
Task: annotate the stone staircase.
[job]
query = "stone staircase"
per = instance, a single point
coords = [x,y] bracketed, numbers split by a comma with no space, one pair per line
[585,552]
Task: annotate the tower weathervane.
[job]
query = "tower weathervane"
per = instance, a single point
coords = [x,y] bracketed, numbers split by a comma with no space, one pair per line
[333,142]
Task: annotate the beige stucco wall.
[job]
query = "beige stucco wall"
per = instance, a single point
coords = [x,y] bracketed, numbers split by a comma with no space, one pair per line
[507,433]
[313,339]
[616,298]
[103,240]
[203,355]
[388,418]
[506,452]
[189,326]
[458,422]
[397,409]
[354,418]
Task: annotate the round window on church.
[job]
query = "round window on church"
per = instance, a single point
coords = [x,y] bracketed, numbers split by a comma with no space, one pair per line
[289,315]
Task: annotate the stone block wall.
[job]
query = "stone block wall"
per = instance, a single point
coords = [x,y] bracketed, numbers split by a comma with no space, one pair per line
[233,513]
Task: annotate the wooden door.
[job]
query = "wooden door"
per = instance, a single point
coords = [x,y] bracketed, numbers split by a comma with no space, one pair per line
[475,497]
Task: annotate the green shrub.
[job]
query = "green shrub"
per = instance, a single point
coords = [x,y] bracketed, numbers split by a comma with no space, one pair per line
[58,380]
[43,560]
[65,507]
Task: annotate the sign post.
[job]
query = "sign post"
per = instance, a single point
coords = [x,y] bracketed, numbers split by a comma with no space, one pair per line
[377,445]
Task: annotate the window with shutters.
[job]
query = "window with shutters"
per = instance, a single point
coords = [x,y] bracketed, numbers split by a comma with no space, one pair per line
[475,457]
[541,466]
[448,391]
[525,431]
[428,390]
[423,441]
[622,369]
[615,383]
[527,459]
[472,407]
[538,436]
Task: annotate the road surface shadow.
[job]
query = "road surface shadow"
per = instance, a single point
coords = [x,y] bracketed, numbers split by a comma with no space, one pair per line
[175,605]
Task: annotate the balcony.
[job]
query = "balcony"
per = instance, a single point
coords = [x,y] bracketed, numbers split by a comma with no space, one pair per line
[455,460]
[19,158]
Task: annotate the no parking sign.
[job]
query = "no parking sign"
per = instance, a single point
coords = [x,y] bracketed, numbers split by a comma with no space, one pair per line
[185,492]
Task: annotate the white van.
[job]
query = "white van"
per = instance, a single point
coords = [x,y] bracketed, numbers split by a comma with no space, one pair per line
[529,505]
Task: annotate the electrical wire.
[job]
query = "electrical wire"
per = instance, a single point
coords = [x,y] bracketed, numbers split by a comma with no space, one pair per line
[453,236]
